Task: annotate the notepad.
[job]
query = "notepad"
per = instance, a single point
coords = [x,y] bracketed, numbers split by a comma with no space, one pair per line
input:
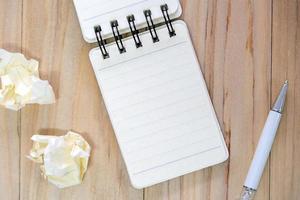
[156,97]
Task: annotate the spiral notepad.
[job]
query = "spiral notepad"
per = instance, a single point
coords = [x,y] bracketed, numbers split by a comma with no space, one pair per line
[152,86]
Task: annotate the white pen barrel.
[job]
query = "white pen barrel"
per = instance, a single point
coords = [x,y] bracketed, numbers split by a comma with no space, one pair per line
[263,150]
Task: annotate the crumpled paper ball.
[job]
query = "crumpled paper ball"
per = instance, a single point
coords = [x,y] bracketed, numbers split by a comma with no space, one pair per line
[64,159]
[20,82]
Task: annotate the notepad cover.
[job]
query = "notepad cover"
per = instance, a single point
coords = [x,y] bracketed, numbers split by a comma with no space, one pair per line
[159,107]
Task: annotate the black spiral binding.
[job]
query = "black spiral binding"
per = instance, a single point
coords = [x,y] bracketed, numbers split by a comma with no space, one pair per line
[164,8]
[134,31]
[151,25]
[118,37]
[101,42]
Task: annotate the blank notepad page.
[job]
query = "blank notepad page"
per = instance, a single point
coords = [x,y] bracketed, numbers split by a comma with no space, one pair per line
[159,107]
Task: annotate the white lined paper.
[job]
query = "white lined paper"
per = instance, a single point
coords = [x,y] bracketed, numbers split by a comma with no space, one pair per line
[159,106]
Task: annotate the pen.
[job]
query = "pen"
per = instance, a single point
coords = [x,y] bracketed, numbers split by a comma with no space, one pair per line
[264,146]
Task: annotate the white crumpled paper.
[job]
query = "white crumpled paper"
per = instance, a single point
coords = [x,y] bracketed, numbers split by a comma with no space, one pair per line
[64,159]
[20,82]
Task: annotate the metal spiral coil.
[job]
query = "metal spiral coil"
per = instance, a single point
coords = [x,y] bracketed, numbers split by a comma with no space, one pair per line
[151,27]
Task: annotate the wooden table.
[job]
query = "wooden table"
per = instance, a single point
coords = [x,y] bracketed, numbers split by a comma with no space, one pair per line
[246,48]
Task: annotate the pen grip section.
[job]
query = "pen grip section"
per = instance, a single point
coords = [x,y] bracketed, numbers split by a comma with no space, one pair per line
[247,194]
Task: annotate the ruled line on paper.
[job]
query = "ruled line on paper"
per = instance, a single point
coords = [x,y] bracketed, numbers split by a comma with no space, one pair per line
[120,72]
[165,106]
[155,132]
[143,55]
[143,69]
[202,140]
[124,72]
[158,119]
[108,12]
[175,69]
[193,86]
[188,76]
[173,161]
[151,111]
[188,134]
[109,74]
[158,126]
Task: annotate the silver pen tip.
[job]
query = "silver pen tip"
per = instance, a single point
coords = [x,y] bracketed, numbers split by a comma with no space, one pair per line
[279,104]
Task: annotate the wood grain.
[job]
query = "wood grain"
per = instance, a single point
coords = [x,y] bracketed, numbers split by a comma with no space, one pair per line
[235,49]
[248,81]
[246,50]
[285,160]
[58,44]
[10,39]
